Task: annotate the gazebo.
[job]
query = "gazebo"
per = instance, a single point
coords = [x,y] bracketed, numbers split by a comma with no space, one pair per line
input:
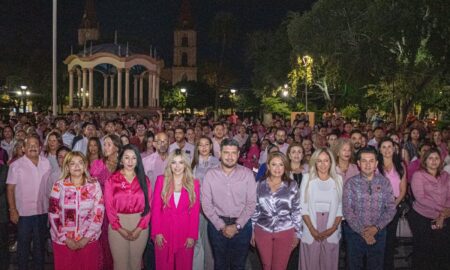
[110,62]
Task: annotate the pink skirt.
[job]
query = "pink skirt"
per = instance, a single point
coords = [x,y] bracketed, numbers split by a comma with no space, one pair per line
[86,258]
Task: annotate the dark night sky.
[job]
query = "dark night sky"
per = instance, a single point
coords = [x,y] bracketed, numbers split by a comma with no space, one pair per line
[26,24]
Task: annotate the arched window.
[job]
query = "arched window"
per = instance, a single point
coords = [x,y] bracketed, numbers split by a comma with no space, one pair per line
[184,59]
[184,77]
[184,41]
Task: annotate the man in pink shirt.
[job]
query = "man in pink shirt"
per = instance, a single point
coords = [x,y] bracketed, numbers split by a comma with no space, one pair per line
[27,189]
[155,163]
[228,201]
[219,135]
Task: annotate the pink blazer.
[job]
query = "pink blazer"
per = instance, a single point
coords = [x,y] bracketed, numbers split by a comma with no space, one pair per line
[176,224]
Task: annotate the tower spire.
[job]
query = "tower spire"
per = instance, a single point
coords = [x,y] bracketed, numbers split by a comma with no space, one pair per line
[185,20]
[89,19]
[89,26]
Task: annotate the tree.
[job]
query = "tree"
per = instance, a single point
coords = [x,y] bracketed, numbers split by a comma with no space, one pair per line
[394,51]
[223,32]
[269,55]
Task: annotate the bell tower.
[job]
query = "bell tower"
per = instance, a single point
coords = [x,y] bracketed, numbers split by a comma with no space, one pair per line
[185,47]
[89,28]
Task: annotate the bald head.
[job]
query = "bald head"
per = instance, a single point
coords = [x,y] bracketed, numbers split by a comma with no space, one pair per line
[161,143]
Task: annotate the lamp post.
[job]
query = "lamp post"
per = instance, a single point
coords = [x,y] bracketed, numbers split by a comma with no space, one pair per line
[23,93]
[306,61]
[285,91]
[233,95]
[184,92]
[82,96]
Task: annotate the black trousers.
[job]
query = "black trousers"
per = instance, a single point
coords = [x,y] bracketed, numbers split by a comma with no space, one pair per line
[430,247]
[391,240]
[4,247]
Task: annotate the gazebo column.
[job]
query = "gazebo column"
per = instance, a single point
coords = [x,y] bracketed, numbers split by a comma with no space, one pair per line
[111,98]
[157,91]
[79,85]
[127,88]
[70,88]
[105,90]
[119,88]
[150,90]
[91,87]
[135,91]
[141,91]
[84,89]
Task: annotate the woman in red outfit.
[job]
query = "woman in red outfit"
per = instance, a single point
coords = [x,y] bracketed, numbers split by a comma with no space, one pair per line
[175,210]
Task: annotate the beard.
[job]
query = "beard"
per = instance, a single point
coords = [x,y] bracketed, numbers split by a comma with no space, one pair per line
[228,165]
[162,149]
[280,142]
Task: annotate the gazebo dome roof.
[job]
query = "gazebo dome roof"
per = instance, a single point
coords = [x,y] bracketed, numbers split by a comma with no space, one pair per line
[111,48]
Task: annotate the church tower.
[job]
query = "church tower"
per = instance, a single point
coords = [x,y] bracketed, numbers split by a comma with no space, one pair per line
[185,47]
[89,27]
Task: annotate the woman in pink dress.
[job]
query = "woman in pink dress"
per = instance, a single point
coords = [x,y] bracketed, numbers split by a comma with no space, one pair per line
[175,214]
[102,169]
[76,214]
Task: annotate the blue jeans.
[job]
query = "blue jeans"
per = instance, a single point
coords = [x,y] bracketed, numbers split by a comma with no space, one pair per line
[357,249]
[31,228]
[230,253]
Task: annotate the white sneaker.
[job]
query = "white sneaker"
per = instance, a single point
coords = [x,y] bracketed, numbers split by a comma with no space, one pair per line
[13,247]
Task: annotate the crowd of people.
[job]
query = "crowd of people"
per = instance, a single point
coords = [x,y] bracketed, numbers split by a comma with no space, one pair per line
[133,192]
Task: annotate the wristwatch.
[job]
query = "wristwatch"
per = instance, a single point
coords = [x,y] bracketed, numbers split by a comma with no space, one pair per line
[238,226]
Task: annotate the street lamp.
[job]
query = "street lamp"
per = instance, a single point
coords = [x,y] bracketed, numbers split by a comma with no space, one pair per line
[184,92]
[306,61]
[23,93]
[233,95]
[285,91]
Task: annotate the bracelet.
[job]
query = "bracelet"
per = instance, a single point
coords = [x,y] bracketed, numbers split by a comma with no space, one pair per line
[12,209]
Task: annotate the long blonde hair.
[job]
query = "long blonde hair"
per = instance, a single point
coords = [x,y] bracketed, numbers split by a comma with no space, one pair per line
[313,170]
[65,168]
[188,178]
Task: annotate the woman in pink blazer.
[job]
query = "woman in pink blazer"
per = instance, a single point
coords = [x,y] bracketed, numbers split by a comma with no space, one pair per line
[175,214]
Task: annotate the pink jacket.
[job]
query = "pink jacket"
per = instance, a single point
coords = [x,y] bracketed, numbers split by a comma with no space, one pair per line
[176,224]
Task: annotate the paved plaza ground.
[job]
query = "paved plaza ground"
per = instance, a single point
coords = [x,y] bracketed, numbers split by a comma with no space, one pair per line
[402,259]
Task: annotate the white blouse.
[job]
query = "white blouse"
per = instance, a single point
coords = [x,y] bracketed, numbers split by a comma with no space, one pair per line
[318,196]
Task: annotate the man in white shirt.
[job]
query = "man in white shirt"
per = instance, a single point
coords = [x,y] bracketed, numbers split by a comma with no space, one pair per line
[181,143]
[8,140]
[81,144]
[62,125]
[378,134]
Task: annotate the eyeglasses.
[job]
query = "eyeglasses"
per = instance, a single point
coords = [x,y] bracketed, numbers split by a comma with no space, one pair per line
[161,142]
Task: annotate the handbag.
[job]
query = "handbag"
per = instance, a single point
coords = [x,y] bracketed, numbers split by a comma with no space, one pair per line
[403,229]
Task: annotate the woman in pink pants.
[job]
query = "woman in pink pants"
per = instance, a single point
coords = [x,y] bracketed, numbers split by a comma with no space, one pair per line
[321,204]
[277,220]
[175,214]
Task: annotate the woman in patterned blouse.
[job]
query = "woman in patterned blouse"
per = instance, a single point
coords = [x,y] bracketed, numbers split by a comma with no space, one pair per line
[76,214]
